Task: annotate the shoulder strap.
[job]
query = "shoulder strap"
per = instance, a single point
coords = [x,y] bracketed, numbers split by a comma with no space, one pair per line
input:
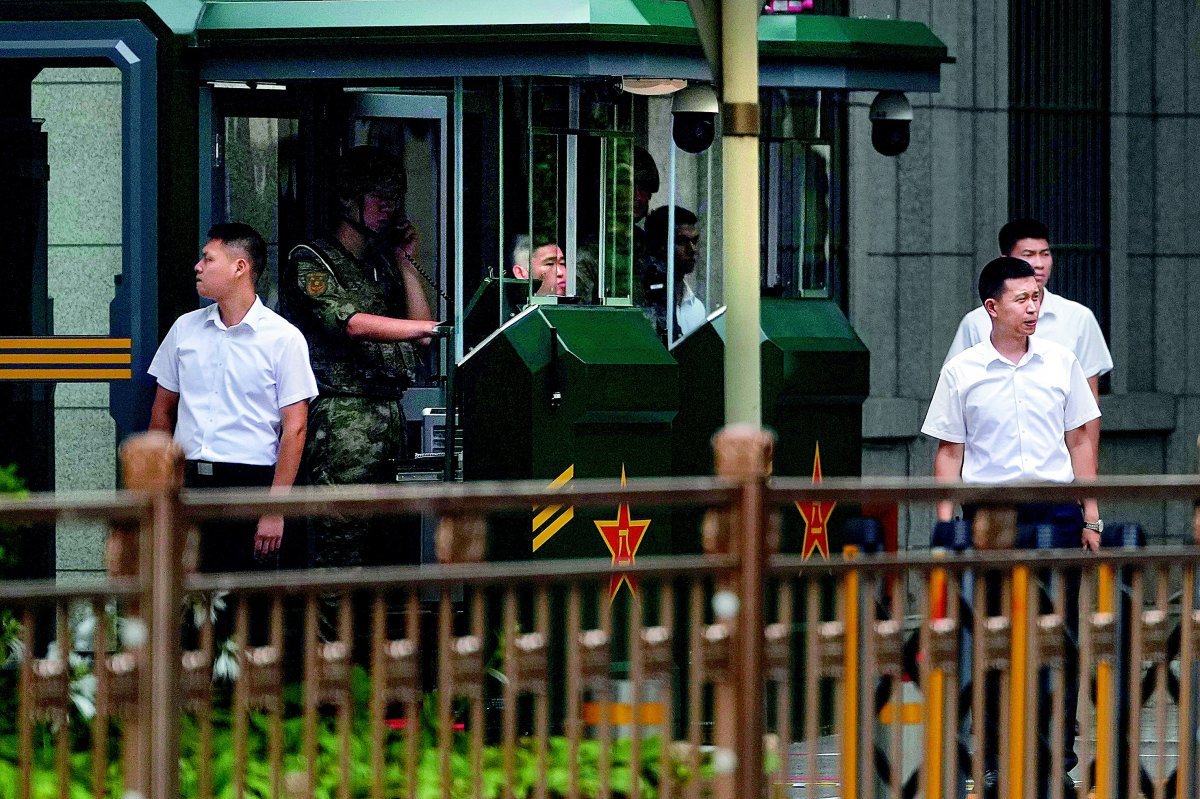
[321,257]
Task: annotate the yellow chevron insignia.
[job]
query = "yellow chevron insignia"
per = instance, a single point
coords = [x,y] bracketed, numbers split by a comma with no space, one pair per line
[549,519]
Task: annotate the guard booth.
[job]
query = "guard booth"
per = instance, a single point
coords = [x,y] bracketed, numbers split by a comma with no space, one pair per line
[815,368]
[815,379]
[587,392]
[576,385]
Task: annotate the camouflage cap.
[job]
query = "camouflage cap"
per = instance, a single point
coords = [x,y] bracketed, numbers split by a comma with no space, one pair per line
[367,169]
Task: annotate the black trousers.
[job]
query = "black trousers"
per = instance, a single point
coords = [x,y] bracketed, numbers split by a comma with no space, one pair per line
[227,545]
[1042,525]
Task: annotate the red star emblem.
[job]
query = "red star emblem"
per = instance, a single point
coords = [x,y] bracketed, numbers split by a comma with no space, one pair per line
[816,516]
[623,536]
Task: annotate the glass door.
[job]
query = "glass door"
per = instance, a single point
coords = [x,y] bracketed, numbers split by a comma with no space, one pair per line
[254,150]
[413,127]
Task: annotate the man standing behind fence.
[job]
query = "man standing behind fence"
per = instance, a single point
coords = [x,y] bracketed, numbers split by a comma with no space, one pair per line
[1014,408]
[1060,320]
[360,300]
[234,383]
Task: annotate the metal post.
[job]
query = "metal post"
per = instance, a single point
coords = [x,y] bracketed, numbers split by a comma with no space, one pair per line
[851,607]
[153,462]
[571,251]
[459,266]
[742,453]
[935,686]
[1190,677]
[670,285]
[1106,710]
[740,216]
[1022,681]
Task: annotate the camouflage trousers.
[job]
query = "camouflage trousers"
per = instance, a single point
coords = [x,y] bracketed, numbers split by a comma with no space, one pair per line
[352,440]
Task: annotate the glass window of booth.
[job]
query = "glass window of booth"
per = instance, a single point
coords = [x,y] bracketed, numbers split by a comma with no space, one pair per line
[571,227]
[802,218]
[259,177]
[530,190]
[685,256]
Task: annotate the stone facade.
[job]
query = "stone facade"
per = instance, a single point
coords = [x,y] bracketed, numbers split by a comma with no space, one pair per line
[82,112]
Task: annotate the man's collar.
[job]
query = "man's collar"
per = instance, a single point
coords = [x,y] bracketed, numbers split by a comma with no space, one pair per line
[1037,347]
[255,315]
[212,315]
[1049,303]
[991,354]
[252,318]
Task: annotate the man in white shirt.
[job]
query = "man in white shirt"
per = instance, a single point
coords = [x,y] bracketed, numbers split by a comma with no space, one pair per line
[1014,407]
[547,265]
[234,382]
[690,312]
[1062,321]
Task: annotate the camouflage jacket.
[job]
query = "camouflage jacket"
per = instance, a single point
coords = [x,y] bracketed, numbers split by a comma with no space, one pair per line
[332,287]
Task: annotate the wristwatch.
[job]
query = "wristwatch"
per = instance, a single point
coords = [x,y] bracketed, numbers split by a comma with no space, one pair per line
[1096,526]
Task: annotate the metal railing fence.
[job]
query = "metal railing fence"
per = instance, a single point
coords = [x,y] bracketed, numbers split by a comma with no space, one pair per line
[737,672]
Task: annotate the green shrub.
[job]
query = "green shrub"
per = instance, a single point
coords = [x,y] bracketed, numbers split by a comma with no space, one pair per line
[328,758]
[10,629]
[10,484]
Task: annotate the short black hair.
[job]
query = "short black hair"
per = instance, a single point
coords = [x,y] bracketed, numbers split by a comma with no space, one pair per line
[244,238]
[656,225]
[645,172]
[1018,229]
[998,270]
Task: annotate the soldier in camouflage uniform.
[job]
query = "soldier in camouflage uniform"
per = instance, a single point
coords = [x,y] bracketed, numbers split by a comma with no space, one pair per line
[360,302]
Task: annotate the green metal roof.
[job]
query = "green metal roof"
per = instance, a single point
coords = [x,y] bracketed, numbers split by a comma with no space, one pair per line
[849,38]
[652,22]
[484,20]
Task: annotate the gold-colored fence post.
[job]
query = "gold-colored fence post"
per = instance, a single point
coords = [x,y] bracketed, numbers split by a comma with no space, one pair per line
[153,462]
[742,453]
[996,528]
[936,686]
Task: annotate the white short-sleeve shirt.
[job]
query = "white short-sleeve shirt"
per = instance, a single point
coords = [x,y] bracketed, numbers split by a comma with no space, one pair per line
[690,312]
[232,382]
[1012,418]
[1062,321]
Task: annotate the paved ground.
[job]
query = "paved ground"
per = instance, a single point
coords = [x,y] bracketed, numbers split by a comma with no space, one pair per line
[828,774]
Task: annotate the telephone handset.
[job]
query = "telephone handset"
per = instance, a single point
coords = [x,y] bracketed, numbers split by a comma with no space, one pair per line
[395,243]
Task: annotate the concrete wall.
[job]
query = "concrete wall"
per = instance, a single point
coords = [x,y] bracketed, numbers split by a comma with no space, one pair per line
[82,112]
[923,223]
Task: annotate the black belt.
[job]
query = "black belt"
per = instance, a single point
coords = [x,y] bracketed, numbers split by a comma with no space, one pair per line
[229,471]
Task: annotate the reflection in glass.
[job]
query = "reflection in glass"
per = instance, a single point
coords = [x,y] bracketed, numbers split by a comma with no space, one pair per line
[581,187]
[796,217]
[259,171]
[547,187]
[687,182]
[797,194]
[616,198]
[417,142]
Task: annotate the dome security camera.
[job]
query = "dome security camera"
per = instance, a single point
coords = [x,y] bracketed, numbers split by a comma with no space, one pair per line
[891,118]
[694,118]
